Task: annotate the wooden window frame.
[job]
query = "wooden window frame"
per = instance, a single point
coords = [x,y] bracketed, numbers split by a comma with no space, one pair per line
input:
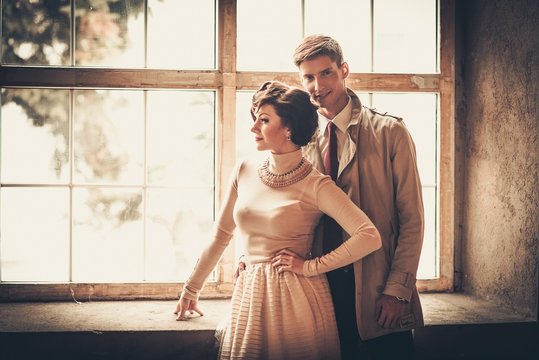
[226,81]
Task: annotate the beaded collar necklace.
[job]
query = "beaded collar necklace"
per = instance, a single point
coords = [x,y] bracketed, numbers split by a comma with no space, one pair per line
[288,178]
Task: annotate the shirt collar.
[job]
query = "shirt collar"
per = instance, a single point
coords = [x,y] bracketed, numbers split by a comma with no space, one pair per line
[342,120]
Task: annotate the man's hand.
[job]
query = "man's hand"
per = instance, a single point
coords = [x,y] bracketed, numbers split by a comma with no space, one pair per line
[389,311]
[185,305]
[239,270]
[287,260]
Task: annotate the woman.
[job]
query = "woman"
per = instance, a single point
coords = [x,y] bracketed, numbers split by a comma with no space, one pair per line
[281,304]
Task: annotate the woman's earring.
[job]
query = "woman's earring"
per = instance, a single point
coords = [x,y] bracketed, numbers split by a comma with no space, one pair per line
[288,136]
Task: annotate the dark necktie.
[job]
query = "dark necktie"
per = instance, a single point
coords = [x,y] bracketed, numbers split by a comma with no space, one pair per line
[331,160]
[332,230]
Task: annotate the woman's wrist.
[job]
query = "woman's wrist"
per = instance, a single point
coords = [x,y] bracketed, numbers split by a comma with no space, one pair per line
[188,294]
[307,265]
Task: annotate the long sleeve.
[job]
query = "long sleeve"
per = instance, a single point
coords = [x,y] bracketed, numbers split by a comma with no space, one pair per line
[364,237]
[402,276]
[223,232]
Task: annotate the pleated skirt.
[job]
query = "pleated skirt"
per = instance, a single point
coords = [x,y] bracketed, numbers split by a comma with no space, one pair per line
[280,316]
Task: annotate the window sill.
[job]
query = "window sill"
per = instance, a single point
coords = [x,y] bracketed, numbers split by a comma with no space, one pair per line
[457,326]
[157,315]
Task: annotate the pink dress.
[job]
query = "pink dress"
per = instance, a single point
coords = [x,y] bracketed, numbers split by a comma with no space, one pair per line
[282,316]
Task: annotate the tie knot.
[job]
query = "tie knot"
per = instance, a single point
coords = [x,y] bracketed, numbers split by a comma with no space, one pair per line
[331,128]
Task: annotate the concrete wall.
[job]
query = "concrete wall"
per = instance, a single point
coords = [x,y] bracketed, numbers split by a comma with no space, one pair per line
[497,134]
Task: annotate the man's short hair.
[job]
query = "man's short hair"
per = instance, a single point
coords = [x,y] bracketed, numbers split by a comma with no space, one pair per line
[313,46]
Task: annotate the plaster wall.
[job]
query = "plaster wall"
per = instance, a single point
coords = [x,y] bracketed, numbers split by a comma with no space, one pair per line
[498,118]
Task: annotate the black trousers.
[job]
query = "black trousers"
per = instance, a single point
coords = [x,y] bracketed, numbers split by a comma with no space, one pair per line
[399,345]
[343,292]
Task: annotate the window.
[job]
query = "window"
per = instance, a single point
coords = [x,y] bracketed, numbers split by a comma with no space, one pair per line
[104,107]
[395,67]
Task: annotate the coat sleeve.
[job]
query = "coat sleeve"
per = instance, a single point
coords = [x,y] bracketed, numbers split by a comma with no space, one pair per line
[409,202]
[364,237]
[223,231]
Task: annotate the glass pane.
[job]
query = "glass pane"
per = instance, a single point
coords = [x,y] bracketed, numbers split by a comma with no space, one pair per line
[34,136]
[179,226]
[109,33]
[35,32]
[405,36]
[351,28]
[108,235]
[35,234]
[181,34]
[420,116]
[365,98]
[427,263]
[109,137]
[268,32]
[245,144]
[245,139]
[181,138]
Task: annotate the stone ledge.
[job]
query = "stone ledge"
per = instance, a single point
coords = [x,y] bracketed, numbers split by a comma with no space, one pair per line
[147,315]
[101,316]
[457,327]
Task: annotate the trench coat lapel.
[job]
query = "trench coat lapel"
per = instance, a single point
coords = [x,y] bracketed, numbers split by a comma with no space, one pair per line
[349,151]
[350,147]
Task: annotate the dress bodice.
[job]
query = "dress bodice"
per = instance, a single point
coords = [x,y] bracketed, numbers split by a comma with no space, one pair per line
[271,219]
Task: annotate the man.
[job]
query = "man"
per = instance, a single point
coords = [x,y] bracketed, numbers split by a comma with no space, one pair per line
[376,303]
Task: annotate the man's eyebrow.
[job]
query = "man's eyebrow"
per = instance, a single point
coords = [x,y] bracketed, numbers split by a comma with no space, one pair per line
[325,70]
[321,71]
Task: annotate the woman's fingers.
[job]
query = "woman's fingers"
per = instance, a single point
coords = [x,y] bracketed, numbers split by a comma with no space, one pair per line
[197,310]
[181,315]
[282,260]
[185,305]
[286,260]
[287,252]
[178,308]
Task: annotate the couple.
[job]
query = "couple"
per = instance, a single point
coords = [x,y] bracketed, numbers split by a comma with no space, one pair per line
[356,293]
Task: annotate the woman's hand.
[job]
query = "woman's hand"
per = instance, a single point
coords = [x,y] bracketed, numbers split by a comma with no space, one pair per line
[287,260]
[185,305]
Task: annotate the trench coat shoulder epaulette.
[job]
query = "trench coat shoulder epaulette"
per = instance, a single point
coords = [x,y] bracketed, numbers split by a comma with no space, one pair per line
[373,110]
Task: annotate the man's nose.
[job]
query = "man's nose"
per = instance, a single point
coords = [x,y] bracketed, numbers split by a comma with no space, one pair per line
[317,84]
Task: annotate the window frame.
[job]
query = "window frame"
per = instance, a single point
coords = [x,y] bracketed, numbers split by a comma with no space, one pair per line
[225,81]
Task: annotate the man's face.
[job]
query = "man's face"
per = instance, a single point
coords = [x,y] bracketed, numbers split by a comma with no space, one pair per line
[324,81]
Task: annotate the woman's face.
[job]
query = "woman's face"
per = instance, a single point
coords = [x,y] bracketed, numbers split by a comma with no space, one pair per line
[270,134]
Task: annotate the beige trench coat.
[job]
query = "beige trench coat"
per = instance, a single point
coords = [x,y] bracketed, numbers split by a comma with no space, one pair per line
[378,171]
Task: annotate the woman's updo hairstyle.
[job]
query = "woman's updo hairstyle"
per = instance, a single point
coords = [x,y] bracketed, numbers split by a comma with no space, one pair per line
[294,107]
